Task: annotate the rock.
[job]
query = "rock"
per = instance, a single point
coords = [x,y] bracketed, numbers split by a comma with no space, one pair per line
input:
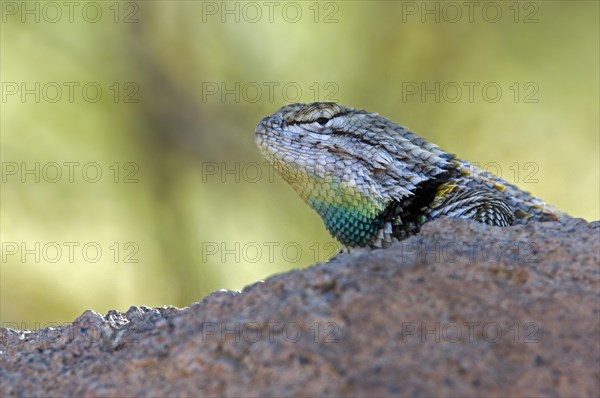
[462,309]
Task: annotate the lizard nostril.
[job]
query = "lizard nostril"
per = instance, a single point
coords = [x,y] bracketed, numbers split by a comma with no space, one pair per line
[264,121]
[271,121]
[263,125]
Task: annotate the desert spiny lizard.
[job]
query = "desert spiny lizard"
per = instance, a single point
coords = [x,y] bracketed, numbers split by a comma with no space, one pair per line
[373,181]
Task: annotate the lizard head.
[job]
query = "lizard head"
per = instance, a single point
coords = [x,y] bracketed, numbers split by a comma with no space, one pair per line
[322,139]
[347,164]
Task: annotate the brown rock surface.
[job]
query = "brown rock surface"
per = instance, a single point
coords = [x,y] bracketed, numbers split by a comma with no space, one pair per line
[462,309]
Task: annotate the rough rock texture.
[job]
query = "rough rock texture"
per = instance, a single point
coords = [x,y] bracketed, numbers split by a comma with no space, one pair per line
[462,309]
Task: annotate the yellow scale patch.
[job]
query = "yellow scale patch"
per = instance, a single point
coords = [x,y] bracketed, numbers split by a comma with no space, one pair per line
[499,187]
[443,192]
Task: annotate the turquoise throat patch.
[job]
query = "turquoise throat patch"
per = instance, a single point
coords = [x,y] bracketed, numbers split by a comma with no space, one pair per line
[350,226]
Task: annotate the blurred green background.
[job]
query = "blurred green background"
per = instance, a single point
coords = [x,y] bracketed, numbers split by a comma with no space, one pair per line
[162,98]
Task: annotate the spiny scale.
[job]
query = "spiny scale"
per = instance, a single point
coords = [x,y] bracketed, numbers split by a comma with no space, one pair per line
[372,181]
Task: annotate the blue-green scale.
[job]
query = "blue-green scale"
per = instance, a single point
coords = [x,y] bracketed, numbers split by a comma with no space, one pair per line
[350,227]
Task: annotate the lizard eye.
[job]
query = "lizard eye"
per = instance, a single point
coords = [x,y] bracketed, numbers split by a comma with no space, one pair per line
[322,121]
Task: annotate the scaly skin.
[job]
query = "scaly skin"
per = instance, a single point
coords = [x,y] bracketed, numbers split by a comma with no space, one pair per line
[373,182]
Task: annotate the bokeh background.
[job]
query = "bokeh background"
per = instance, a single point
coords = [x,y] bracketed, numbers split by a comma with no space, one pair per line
[162,97]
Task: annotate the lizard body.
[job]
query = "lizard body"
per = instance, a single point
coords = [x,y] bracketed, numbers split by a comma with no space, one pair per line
[373,181]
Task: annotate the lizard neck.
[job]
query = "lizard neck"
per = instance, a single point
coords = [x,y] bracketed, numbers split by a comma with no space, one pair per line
[352,216]
[354,225]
